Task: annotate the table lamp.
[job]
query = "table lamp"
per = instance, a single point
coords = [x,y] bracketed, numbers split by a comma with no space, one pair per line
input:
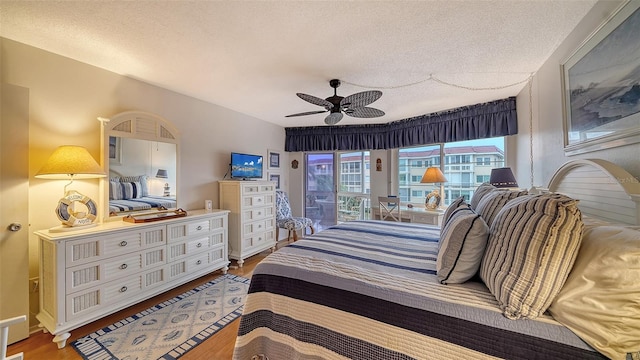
[72,162]
[433,175]
[503,178]
[162,174]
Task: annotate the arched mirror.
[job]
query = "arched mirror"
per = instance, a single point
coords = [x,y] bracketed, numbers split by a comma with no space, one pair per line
[140,154]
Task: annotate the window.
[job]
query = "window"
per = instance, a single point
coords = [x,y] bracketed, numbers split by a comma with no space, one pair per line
[354,186]
[467,165]
[416,160]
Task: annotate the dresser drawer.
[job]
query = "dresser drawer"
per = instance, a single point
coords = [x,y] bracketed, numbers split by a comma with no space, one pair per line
[194,246]
[102,247]
[92,274]
[259,239]
[257,214]
[253,201]
[431,219]
[256,227]
[93,299]
[182,230]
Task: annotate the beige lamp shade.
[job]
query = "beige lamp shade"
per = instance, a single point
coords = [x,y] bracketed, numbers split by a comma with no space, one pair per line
[433,175]
[70,162]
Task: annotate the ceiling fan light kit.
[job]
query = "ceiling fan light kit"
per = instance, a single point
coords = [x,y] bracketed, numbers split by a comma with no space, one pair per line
[354,105]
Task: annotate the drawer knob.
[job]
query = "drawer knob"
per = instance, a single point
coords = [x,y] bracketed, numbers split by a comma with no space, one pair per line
[123,243]
[259,213]
[199,227]
[123,289]
[123,266]
[199,245]
[198,262]
[259,226]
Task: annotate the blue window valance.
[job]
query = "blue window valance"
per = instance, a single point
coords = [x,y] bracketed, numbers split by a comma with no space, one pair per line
[492,119]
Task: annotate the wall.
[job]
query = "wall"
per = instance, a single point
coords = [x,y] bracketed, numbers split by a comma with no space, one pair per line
[66,97]
[548,149]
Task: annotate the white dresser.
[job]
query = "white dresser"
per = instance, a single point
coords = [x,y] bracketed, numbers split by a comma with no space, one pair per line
[252,221]
[90,273]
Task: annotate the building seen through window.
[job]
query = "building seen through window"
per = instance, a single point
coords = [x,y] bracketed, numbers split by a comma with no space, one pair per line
[467,164]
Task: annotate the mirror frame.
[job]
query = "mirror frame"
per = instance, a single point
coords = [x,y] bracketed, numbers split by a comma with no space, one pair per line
[136,125]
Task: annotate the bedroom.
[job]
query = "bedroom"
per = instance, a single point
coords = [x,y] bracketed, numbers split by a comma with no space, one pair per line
[67,114]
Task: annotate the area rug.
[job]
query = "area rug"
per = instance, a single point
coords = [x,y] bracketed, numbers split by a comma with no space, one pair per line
[169,329]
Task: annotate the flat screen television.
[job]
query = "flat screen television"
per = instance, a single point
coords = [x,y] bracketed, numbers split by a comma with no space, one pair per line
[246,166]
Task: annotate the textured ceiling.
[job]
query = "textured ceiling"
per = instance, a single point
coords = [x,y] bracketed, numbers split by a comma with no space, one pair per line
[254,56]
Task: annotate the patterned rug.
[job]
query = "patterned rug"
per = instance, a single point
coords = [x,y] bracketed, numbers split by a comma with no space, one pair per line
[170,329]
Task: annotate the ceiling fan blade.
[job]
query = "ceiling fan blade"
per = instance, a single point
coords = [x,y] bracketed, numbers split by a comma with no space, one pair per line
[315,100]
[360,99]
[333,118]
[364,112]
[307,113]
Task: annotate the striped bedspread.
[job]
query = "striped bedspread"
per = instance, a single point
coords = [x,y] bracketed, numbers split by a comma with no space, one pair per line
[143,203]
[367,290]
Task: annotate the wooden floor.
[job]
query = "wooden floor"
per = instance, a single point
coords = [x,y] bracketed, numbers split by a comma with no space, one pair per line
[219,346]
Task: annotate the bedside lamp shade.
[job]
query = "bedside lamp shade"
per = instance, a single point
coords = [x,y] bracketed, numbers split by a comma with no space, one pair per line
[162,174]
[70,162]
[502,177]
[433,175]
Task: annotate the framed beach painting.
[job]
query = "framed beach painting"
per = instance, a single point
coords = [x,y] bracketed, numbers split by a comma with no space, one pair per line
[275,178]
[274,159]
[601,86]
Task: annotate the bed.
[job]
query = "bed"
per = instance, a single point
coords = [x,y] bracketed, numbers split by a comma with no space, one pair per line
[131,193]
[374,290]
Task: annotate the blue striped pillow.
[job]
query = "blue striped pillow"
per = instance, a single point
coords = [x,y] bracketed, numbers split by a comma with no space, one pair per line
[142,179]
[115,190]
[131,190]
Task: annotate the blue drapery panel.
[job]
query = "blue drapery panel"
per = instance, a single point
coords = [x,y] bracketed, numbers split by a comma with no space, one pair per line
[492,119]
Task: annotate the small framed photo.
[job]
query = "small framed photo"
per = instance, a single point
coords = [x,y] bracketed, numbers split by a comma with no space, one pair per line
[115,150]
[274,159]
[276,179]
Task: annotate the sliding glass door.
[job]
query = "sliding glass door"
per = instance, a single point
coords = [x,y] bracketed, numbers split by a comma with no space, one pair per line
[354,186]
[320,190]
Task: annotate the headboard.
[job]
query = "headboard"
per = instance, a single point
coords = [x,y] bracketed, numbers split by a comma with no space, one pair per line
[605,190]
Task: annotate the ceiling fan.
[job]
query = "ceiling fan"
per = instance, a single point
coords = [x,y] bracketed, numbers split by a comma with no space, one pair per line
[353,105]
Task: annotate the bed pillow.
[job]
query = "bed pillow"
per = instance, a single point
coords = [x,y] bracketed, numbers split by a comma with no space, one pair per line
[494,200]
[479,193]
[532,245]
[461,246]
[600,300]
[457,203]
[115,190]
[142,179]
[131,190]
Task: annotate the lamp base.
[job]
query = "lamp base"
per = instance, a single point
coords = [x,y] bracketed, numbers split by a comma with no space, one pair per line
[65,228]
[432,202]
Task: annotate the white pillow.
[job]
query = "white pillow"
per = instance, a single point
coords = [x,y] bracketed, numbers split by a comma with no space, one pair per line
[600,301]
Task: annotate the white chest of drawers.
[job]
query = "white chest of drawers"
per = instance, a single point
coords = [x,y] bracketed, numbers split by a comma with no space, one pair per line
[252,220]
[88,274]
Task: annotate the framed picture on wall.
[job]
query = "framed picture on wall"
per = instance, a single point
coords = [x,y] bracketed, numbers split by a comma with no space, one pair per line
[601,87]
[276,179]
[115,150]
[274,159]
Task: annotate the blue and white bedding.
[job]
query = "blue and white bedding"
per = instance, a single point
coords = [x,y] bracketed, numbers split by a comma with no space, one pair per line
[142,203]
[368,290]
